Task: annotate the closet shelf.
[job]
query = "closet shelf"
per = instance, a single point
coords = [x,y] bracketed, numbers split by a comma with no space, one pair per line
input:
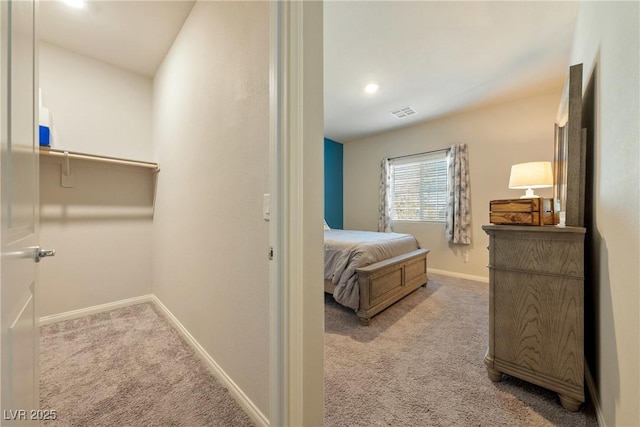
[53,152]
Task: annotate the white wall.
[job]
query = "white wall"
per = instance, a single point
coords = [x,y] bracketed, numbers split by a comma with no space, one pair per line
[497,137]
[96,107]
[211,135]
[101,228]
[607,40]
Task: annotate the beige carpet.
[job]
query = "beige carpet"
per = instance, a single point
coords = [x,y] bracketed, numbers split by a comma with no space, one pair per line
[129,367]
[420,363]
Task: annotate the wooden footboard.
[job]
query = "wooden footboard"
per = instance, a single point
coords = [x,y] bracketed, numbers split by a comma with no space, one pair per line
[386,282]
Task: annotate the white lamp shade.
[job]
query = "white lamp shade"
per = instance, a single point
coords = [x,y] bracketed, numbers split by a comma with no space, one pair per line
[531,175]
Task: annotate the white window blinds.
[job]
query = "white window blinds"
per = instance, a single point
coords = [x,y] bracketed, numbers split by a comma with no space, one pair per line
[419,187]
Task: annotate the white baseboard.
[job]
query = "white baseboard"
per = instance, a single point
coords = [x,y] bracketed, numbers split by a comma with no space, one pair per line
[236,392]
[74,314]
[458,275]
[593,393]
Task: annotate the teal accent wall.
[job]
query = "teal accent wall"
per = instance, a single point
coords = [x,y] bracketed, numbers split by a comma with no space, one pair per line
[333,209]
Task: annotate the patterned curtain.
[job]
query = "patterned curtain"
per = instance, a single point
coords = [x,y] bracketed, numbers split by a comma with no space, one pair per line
[384,208]
[458,227]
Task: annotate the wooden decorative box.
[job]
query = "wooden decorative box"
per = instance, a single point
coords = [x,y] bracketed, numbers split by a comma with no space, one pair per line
[535,211]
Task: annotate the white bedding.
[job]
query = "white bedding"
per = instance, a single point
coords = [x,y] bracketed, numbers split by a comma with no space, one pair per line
[346,250]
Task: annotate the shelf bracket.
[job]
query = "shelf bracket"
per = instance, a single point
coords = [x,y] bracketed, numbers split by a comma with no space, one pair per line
[66,177]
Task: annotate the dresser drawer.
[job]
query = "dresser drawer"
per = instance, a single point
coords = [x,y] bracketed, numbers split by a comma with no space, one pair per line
[538,324]
[539,254]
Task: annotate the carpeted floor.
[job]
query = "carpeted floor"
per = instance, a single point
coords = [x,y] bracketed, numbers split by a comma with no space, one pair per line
[421,363]
[129,367]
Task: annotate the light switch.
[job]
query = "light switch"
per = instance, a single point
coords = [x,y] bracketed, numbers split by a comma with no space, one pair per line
[266,207]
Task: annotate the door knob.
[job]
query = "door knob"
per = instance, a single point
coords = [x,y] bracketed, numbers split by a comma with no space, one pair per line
[41,253]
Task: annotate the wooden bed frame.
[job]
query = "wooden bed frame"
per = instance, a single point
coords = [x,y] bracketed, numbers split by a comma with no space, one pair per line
[386,282]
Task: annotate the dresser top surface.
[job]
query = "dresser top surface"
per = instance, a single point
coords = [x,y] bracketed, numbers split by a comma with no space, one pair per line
[534,228]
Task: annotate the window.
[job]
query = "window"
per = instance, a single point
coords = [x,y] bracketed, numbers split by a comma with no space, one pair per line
[419,187]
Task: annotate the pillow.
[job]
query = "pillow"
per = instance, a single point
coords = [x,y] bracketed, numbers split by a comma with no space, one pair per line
[326,226]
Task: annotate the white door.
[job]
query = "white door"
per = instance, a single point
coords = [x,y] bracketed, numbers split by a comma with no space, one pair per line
[19,211]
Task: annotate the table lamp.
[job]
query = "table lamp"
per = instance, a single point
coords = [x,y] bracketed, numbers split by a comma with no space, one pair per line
[529,176]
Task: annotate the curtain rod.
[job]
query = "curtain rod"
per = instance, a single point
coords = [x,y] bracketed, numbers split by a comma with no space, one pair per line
[420,154]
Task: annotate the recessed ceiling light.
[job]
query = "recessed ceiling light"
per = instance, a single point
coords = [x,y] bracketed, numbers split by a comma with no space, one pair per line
[371,88]
[77,4]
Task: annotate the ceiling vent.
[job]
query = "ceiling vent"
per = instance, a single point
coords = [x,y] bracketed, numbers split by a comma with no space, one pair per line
[403,112]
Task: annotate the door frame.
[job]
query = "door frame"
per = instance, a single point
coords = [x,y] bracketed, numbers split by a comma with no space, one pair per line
[27,252]
[296,236]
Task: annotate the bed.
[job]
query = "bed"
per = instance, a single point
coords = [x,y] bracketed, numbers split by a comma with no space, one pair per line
[369,271]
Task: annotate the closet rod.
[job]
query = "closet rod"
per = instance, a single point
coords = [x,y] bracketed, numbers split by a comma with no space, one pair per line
[106,159]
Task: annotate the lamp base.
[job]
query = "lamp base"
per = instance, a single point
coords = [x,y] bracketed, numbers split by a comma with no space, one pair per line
[528,194]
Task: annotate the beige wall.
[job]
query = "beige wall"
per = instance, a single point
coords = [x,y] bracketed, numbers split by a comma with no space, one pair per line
[312,190]
[96,107]
[497,136]
[211,135]
[101,228]
[607,40]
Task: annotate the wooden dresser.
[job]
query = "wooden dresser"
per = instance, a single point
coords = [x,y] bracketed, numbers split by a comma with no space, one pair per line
[536,299]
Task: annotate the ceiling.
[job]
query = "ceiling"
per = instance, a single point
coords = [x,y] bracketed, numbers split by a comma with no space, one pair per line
[134,35]
[436,57]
